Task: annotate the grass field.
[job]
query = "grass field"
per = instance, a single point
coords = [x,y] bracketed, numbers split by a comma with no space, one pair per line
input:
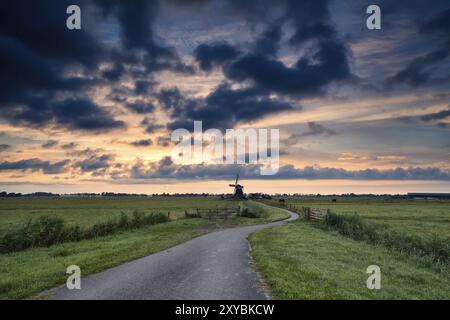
[29,272]
[419,217]
[316,263]
[87,211]
[301,261]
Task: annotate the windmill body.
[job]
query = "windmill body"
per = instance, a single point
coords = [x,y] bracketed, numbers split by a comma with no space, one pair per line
[238,189]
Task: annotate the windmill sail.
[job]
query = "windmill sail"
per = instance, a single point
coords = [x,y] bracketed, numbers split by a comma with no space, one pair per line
[238,189]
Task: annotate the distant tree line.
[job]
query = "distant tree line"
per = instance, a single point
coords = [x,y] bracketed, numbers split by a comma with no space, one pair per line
[223,195]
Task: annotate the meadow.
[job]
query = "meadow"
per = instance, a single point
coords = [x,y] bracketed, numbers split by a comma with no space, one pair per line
[425,218]
[329,262]
[86,211]
[26,273]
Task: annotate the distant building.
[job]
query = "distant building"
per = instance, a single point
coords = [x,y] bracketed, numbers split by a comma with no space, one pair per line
[424,195]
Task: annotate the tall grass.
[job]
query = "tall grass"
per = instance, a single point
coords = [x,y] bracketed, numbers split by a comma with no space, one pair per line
[251,210]
[46,231]
[353,226]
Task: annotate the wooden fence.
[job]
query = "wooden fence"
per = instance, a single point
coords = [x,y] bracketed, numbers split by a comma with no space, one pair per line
[316,214]
[312,214]
[213,213]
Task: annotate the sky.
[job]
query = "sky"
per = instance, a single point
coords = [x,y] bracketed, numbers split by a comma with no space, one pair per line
[92,110]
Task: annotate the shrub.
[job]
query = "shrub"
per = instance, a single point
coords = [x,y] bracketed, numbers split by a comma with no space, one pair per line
[250,210]
[436,248]
[47,231]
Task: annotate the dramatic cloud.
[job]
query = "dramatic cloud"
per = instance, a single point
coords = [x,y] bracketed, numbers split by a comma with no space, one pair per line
[436,116]
[438,23]
[422,70]
[144,68]
[224,107]
[150,126]
[142,143]
[140,107]
[418,72]
[4,147]
[313,129]
[95,163]
[305,78]
[68,146]
[49,144]
[166,169]
[215,54]
[164,141]
[35,164]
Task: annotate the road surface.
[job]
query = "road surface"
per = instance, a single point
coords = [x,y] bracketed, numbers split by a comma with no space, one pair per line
[214,266]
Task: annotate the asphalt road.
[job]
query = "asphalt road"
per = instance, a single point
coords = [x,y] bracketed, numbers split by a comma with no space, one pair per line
[213,266]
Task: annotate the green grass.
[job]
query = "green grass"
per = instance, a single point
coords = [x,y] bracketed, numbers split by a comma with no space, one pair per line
[29,272]
[424,218]
[26,273]
[85,212]
[301,261]
[266,214]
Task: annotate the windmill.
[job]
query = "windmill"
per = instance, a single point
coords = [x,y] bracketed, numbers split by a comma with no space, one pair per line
[238,189]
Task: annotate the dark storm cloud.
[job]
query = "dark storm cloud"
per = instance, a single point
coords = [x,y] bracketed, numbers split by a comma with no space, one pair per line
[142,87]
[418,71]
[436,116]
[150,126]
[438,23]
[68,146]
[268,43]
[422,70]
[114,73]
[142,143]
[36,51]
[95,162]
[36,165]
[433,118]
[313,129]
[311,20]
[38,57]
[136,19]
[305,78]
[84,115]
[140,107]
[4,147]
[49,144]
[223,108]
[164,141]
[166,169]
[213,55]
[40,25]
[87,152]
[310,74]
[262,73]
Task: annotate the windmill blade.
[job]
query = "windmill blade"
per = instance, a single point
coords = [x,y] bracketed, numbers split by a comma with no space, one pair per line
[237,178]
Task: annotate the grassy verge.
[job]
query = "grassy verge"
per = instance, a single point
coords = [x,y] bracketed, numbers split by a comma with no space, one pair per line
[435,250]
[26,273]
[47,231]
[424,218]
[258,213]
[301,261]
